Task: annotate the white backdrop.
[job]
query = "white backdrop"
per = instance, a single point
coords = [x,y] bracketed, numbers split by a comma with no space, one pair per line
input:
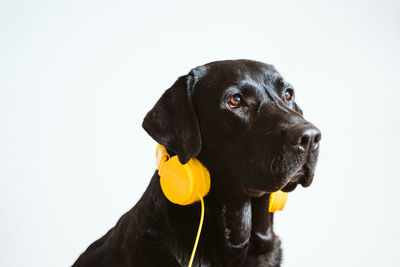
[77,78]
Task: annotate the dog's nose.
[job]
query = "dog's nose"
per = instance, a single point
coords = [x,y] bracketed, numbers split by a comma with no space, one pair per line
[304,136]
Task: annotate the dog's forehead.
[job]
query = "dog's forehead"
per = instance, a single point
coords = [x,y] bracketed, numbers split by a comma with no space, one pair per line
[223,74]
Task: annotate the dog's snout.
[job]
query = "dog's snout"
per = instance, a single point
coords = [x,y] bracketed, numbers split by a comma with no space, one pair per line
[304,136]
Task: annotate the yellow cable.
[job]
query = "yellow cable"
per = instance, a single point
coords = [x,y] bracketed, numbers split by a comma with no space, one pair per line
[198,232]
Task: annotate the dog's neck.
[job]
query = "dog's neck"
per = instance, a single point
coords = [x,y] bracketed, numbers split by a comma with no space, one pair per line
[245,223]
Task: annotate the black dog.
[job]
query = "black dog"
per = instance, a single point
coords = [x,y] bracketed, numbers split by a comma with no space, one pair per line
[239,118]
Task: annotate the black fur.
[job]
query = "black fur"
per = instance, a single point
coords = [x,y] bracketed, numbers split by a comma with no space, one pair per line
[252,149]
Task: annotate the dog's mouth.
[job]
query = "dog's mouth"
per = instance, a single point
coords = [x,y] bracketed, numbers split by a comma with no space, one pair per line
[304,177]
[289,187]
[254,193]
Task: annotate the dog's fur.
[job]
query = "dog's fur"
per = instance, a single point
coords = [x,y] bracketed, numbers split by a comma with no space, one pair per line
[252,149]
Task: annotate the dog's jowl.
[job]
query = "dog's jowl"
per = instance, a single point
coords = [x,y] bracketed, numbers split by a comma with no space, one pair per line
[240,120]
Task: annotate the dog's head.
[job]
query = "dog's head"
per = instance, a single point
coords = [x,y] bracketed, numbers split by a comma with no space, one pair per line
[238,117]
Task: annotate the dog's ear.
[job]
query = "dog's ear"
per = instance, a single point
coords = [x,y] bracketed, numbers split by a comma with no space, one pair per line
[173,123]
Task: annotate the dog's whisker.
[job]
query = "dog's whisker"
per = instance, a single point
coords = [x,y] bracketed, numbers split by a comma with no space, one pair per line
[272,165]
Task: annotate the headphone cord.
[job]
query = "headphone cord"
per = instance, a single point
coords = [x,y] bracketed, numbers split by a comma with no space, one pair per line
[198,231]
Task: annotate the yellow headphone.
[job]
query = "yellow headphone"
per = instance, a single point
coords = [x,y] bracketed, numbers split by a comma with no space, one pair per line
[185,184]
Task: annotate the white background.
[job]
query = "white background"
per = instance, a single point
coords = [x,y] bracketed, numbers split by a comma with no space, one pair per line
[77,78]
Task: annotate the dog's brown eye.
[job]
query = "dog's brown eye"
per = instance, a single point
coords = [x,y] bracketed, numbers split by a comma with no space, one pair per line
[288,94]
[235,101]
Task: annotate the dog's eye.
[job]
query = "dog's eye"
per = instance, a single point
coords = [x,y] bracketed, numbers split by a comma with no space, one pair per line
[288,94]
[235,101]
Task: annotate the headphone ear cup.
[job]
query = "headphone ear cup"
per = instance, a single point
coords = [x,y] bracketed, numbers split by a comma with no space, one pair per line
[183,183]
[277,201]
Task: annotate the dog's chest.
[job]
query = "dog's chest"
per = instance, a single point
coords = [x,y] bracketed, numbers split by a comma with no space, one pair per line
[242,257]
